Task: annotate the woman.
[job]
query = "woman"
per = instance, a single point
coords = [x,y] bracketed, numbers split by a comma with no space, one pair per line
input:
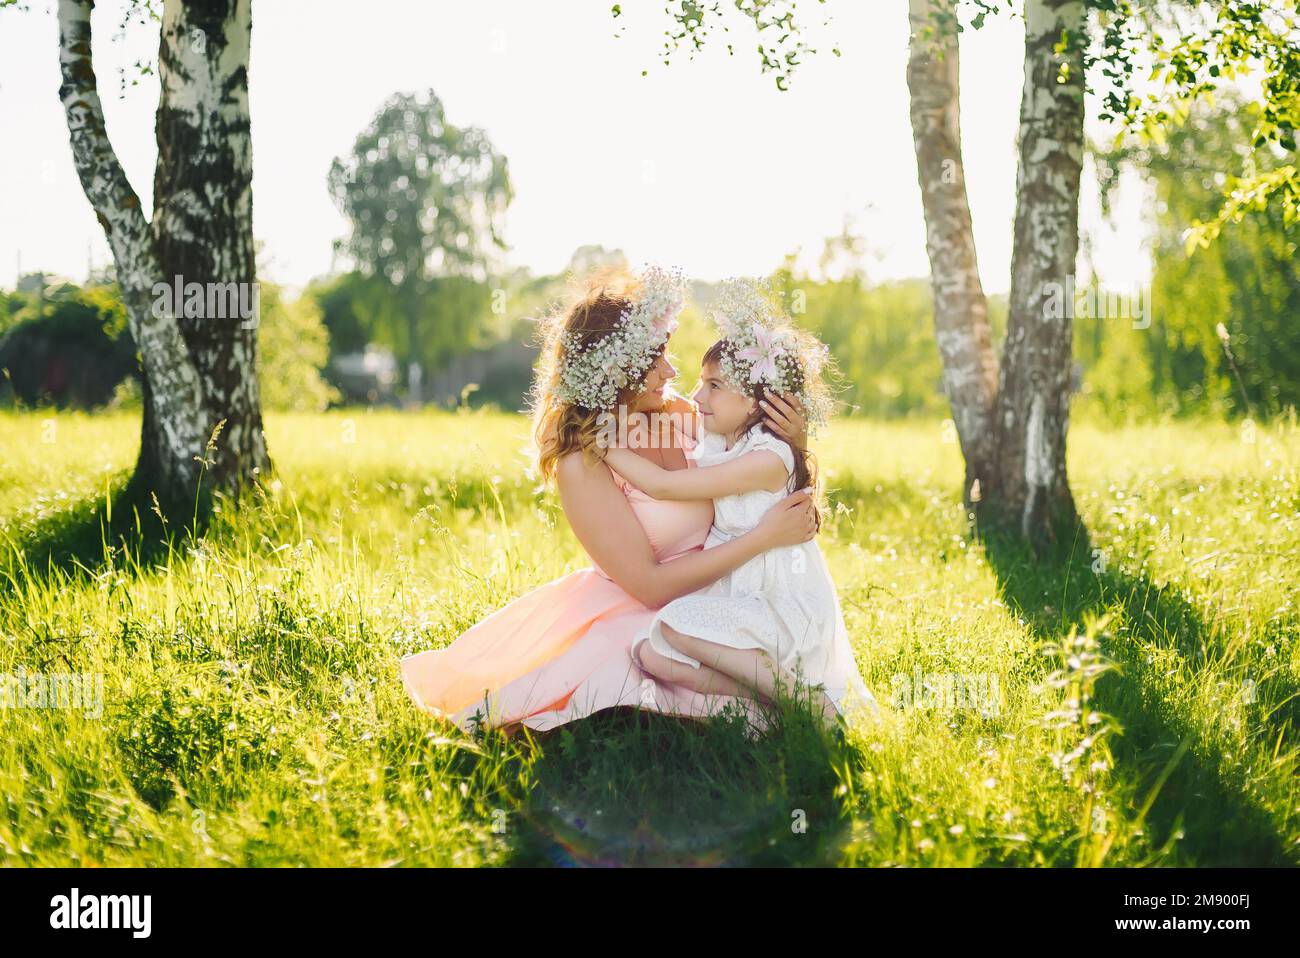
[561,652]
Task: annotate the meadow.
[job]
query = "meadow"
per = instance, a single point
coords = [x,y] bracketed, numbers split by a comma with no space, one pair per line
[1144,680]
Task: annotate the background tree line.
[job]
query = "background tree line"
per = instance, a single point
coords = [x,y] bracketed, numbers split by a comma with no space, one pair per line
[424,201]
[881,333]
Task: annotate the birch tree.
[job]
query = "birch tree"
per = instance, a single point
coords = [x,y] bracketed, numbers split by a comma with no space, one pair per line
[1012,417]
[960,307]
[1033,413]
[197,349]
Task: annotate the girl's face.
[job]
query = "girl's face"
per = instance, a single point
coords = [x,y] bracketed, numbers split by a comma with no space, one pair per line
[722,409]
[657,379]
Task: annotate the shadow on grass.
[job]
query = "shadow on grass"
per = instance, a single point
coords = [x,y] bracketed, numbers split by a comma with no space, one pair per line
[78,537]
[1203,796]
[627,787]
[134,526]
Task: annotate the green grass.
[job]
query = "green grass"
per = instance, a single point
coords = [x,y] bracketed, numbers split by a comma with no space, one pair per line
[1147,710]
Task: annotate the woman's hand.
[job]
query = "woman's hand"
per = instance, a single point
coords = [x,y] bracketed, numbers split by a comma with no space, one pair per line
[785,416]
[791,521]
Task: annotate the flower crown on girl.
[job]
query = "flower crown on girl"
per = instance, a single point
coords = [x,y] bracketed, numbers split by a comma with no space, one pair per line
[593,374]
[761,345]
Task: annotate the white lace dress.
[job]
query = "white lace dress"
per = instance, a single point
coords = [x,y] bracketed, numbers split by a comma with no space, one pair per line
[782,601]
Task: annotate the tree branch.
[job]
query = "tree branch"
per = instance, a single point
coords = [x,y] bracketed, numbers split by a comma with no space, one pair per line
[102,178]
[175,391]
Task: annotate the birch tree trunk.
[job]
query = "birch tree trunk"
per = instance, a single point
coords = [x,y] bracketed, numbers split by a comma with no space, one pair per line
[203,216]
[1012,417]
[199,364]
[1034,386]
[173,414]
[960,308]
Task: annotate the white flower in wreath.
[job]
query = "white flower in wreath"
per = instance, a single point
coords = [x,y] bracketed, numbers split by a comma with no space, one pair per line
[592,375]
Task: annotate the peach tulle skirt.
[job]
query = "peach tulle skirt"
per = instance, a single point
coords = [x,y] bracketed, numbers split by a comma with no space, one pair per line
[556,654]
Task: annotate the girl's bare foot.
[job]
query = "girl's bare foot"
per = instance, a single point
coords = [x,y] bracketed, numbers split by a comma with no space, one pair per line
[829,713]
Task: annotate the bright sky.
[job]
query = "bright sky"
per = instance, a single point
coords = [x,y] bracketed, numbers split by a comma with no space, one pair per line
[703,164]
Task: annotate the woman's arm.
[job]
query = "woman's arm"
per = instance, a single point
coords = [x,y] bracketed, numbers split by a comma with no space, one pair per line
[605,525]
[760,469]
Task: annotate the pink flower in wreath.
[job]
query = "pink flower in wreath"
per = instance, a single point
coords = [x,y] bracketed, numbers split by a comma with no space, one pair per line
[768,348]
[666,324]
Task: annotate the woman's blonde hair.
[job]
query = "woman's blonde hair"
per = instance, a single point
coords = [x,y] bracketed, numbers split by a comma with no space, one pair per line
[594,311]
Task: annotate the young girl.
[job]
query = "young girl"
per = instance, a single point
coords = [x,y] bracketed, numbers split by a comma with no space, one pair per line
[775,622]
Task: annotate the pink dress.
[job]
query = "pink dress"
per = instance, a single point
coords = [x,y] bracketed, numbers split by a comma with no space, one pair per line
[562,651]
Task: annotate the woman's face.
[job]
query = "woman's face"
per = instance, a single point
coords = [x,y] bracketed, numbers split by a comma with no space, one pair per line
[657,379]
[722,409]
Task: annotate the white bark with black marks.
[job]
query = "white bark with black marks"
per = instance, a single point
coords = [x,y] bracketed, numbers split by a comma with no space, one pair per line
[1034,386]
[175,401]
[1011,417]
[203,210]
[199,370]
[960,308]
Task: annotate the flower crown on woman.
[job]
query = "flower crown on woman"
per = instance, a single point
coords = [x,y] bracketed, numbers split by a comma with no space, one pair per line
[761,347]
[593,373]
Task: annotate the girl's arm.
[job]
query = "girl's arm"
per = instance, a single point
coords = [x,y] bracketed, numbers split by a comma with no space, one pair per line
[605,525]
[760,469]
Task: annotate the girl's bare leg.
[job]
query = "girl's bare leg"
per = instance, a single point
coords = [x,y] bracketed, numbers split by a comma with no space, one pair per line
[705,683]
[705,680]
[753,668]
